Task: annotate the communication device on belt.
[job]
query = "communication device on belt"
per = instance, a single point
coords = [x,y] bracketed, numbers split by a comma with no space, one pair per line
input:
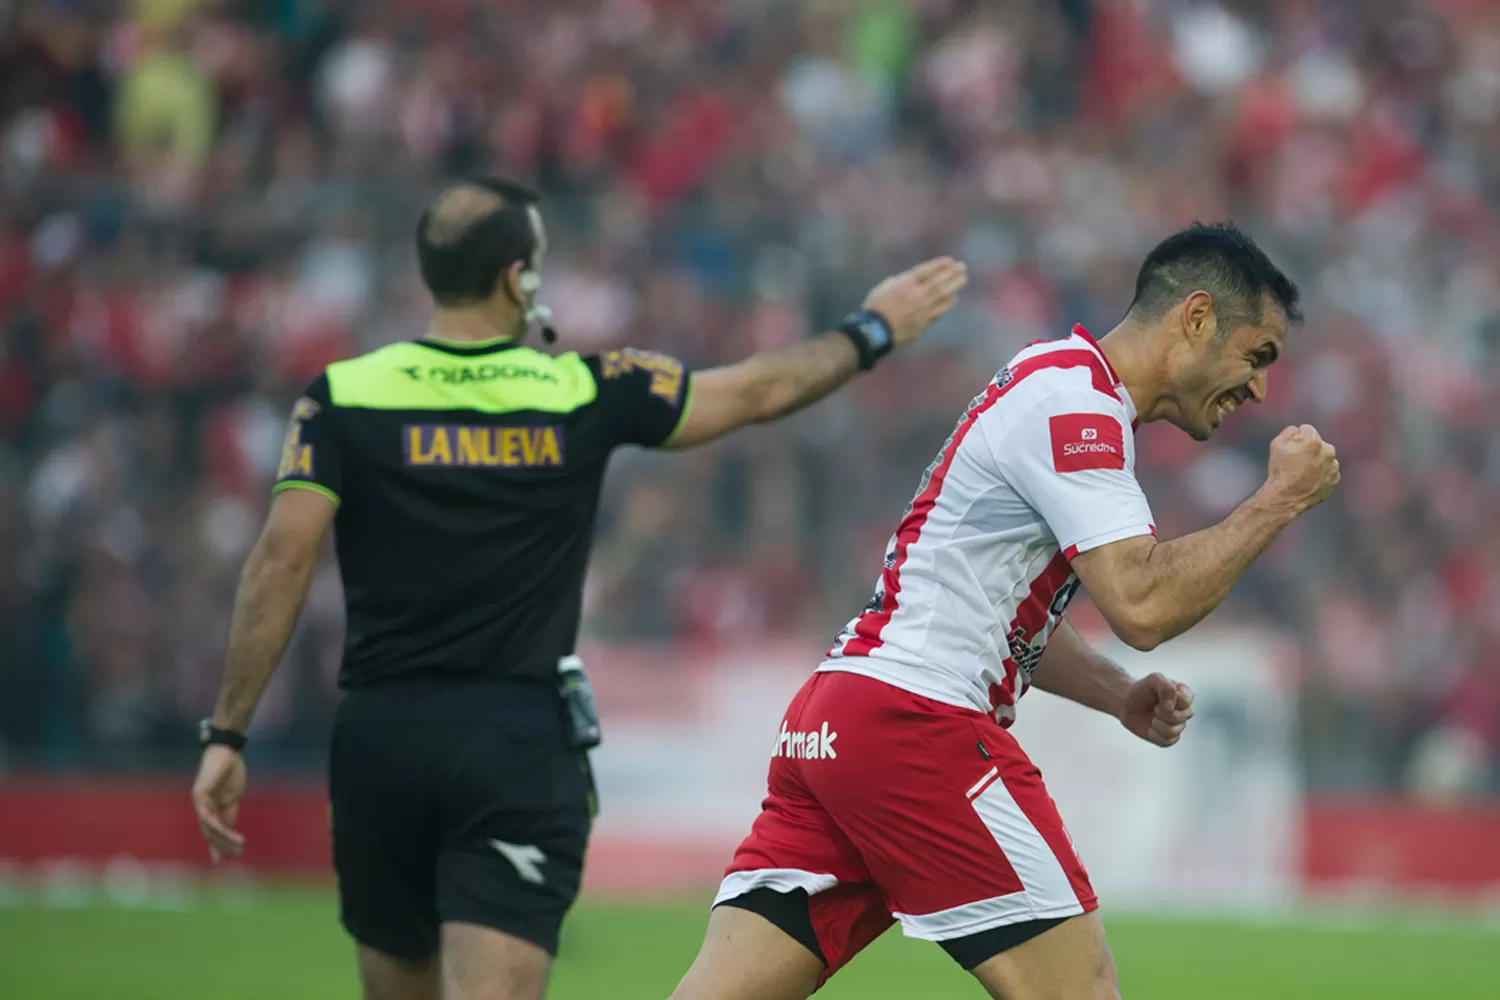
[578,696]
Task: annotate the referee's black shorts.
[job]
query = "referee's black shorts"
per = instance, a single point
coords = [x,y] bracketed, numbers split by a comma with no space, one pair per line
[455,801]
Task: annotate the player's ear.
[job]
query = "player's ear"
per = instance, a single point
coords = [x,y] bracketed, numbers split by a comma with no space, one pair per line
[1199,319]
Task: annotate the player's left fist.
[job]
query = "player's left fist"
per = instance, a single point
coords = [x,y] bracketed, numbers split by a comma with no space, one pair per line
[1157,709]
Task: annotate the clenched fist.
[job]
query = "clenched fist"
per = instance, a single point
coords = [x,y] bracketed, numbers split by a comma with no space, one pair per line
[911,300]
[1304,468]
[1157,709]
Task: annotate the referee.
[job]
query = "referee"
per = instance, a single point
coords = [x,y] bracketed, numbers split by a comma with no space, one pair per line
[462,473]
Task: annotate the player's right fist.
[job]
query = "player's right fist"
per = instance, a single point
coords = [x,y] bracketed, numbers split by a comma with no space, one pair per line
[911,300]
[1304,468]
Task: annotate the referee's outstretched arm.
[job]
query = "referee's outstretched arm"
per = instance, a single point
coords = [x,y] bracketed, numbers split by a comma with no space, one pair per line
[772,384]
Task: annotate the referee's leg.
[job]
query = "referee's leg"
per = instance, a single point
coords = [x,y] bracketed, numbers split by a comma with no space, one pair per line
[508,873]
[386,977]
[460,820]
[515,825]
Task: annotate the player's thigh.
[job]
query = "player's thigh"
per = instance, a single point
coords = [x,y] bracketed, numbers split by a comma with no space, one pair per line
[747,957]
[386,977]
[951,817]
[481,963]
[1070,961]
[385,836]
[796,869]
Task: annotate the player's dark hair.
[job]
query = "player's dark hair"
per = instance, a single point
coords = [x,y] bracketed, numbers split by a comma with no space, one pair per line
[462,254]
[1221,260]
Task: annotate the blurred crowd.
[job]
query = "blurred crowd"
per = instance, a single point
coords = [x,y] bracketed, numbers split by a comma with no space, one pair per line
[204,201]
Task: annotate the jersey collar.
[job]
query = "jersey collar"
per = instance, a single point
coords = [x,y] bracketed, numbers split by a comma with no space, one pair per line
[468,348]
[1114,377]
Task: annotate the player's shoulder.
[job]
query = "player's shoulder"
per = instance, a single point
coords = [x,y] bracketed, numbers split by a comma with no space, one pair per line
[1060,376]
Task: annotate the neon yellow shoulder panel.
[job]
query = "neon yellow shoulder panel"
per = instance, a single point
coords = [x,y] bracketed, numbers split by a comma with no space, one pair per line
[409,376]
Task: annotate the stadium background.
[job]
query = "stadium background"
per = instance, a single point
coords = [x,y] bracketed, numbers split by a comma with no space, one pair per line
[203,201]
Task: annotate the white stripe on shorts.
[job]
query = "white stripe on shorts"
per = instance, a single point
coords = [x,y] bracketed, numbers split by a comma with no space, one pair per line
[779,879]
[1047,893]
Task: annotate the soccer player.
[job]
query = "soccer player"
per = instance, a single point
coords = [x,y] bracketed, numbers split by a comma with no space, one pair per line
[461,473]
[896,791]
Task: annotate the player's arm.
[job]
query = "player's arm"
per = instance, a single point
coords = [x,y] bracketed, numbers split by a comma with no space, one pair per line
[1070,668]
[272,588]
[772,384]
[1151,591]
[1155,708]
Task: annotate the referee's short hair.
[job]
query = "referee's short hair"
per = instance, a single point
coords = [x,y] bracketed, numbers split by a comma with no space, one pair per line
[470,234]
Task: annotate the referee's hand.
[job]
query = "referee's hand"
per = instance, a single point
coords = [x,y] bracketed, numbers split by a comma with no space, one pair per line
[216,799]
[911,300]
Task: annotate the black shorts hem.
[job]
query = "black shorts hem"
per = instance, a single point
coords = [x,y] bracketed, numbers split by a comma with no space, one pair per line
[516,925]
[973,950]
[789,911]
[387,945]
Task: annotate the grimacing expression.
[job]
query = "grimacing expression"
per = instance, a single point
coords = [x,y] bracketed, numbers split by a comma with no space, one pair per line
[1230,369]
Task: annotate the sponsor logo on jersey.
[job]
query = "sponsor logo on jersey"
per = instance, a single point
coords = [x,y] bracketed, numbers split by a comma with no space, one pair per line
[464,374]
[1026,649]
[297,457]
[666,371]
[482,447]
[1083,441]
[814,745]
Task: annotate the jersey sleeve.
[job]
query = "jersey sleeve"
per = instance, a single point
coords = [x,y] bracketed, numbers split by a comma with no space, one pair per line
[309,453]
[643,396]
[1073,461]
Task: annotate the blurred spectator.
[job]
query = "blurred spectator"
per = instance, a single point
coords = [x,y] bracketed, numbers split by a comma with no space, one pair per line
[204,201]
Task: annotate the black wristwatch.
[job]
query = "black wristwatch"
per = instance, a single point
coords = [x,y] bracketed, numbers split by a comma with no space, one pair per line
[211,735]
[871,335]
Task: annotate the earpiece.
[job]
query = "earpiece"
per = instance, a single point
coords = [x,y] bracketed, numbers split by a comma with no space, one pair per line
[529,282]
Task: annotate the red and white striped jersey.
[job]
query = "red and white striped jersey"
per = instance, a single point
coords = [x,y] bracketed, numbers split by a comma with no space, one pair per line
[1040,467]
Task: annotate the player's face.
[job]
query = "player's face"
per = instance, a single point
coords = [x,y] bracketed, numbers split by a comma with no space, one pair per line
[1231,370]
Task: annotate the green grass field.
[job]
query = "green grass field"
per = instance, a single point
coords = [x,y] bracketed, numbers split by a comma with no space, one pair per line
[287,945]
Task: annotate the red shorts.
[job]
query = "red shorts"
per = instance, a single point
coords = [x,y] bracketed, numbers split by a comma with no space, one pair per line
[886,805]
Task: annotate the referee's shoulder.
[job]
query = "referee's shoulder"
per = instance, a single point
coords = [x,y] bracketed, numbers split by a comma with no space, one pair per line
[421,374]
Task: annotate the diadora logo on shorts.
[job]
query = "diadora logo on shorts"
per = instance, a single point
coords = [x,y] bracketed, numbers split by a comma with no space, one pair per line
[816,745]
[1087,441]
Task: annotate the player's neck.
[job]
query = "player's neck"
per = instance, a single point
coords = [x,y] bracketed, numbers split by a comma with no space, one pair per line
[470,326]
[1132,352]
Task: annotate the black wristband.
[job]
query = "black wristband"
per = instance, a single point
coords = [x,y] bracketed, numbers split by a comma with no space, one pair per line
[870,334]
[211,735]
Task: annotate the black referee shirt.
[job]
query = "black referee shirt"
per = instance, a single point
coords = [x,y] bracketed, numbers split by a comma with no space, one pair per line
[467,478]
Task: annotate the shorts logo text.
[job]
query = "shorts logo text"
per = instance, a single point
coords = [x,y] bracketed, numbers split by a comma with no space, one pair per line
[482,447]
[815,745]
